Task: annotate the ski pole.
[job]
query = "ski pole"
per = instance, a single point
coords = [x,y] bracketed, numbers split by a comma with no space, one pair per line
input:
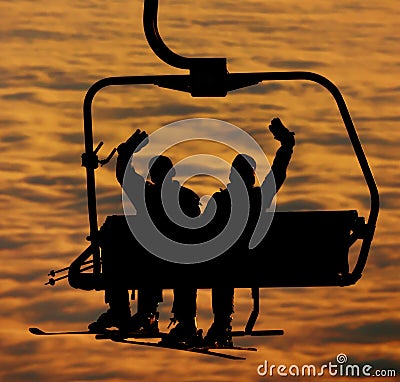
[53,272]
[53,281]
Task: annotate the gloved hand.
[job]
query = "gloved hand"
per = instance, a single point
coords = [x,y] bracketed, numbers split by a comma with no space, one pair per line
[281,133]
[134,143]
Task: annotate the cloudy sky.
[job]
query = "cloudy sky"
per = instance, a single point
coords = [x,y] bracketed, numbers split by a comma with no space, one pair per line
[53,51]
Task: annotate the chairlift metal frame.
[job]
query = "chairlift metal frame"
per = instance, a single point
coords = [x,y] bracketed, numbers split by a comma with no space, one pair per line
[208,77]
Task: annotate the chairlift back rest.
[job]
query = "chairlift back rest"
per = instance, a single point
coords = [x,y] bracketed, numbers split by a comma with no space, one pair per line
[300,249]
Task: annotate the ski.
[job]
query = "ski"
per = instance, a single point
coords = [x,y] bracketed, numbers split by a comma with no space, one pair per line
[239,333]
[234,347]
[107,333]
[199,350]
[40,332]
[124,337]
[119,336]
[258,333]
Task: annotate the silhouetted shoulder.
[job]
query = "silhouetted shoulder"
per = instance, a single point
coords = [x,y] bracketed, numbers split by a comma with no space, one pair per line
[187,193]
[255,193]
[223,202]
[189,201]
[222,193]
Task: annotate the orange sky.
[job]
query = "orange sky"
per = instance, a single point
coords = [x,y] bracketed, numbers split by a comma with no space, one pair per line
[53,51]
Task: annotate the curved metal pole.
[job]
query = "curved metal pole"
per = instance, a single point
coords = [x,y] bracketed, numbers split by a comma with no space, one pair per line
[90,153]
[154,39]
[234,80]
[358,150]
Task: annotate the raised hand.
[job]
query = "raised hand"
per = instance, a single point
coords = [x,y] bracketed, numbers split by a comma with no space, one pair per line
[134,143]
[281,133]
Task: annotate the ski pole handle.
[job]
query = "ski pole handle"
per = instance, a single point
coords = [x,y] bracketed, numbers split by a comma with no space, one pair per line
[53,281]
[52,273]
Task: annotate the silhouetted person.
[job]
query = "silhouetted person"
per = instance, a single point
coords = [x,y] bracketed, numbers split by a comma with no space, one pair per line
[161,173]
[242,179]
[223,297]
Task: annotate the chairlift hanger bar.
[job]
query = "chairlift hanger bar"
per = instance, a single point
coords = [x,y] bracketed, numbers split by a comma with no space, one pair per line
[209,77]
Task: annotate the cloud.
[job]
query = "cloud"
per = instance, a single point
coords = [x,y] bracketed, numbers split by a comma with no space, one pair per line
[151,111]
[369,333]
[215,22]
[42,76]
[63,310]
[11,122]
[12,375]
[292,181]
[32,195]
[44,180]
[14,138]
[20,96]
[385,256]
[42,35]
[22,277]
[65,84]
[9,243]
[260,89]
[390,200]
[328,140]
[380,119]
[297,64]
[75,138]
[108,198]
[23,348]
[381,363]
[64,157]
[299,204]
[110,204]
[18,293]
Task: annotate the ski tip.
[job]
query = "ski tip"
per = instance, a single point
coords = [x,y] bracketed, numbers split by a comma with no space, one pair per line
[252,349]
[36,331]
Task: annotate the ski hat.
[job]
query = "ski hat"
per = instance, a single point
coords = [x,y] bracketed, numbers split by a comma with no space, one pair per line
[245,166]
[243,160]
[159,166]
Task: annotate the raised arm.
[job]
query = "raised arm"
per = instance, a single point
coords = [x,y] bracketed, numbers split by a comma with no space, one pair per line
[125,151]
[281,161]
[132,183]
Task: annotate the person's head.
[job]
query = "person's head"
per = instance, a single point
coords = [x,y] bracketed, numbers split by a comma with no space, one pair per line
[159,168]
[245,166]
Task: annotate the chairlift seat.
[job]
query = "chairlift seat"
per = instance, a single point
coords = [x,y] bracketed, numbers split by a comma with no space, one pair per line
[300,249]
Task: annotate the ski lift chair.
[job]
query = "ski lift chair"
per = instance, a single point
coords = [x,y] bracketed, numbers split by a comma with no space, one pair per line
[301,249]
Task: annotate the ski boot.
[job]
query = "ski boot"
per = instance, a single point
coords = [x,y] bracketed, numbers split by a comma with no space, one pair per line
[144,323]
[185,334]
[110,319]
[219,335]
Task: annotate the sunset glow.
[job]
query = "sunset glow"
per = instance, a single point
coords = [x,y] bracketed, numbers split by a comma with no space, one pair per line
[52,52]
